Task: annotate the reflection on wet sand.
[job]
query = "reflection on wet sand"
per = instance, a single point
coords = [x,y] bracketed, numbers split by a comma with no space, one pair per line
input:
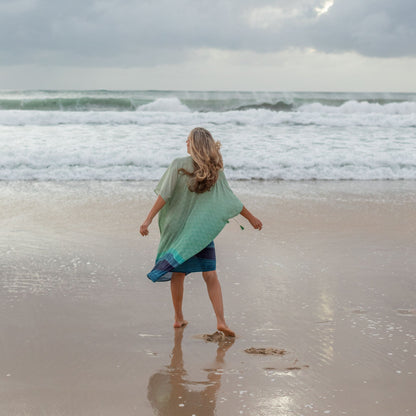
[171,393]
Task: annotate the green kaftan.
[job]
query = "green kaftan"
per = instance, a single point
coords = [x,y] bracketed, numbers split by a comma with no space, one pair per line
[188,221]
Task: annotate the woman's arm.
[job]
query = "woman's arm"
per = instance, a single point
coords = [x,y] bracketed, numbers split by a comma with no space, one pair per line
[255,222]
[158,205]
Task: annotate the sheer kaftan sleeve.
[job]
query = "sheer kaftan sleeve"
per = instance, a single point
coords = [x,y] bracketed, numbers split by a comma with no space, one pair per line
[167,183]
[230,200]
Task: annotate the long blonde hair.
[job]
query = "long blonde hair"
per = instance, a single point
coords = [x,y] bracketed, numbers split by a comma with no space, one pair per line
[207,158]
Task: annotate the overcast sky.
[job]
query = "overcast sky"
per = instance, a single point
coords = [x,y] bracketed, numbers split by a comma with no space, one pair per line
[333,45]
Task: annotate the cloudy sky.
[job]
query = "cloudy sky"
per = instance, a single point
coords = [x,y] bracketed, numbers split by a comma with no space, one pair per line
[298,45]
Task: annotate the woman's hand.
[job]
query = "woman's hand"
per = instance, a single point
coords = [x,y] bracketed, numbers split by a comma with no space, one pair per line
[256,223]
[144,228]
[158,205]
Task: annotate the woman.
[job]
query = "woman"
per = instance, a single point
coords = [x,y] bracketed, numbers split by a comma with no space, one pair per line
[195,202]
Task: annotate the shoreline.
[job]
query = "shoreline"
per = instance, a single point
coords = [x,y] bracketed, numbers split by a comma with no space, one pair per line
[267,188]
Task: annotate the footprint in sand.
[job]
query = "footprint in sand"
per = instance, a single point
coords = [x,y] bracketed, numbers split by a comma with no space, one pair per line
[215,337]
[282,368]
[406,312]
[359,311]
[265,351]
[286,369]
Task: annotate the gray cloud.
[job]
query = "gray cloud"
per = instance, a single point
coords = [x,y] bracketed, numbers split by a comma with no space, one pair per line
[146,33]
[372,27]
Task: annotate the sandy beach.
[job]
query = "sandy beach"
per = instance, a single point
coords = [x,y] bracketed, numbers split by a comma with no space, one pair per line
[331,280]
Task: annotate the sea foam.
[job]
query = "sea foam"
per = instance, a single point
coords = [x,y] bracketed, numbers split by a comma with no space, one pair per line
[165,104]
[354,107]
[320,136]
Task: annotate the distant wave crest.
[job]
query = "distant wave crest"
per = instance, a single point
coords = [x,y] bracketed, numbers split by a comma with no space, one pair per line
[68,104]
[351,107]
[279,106]
[170,105]
[175,102]
[173,112]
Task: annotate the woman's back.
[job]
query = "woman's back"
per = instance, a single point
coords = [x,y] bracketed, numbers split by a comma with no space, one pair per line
[189,221]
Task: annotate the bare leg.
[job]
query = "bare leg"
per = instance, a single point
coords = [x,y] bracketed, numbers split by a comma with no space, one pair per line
[176,288]
[215,295]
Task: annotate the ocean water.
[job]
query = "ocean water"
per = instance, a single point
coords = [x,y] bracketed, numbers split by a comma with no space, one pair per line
[133,135]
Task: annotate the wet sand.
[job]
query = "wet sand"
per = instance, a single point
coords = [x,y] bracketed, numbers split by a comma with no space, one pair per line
[331,280]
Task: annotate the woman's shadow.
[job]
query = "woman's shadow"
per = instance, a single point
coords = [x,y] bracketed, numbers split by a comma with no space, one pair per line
[171,393]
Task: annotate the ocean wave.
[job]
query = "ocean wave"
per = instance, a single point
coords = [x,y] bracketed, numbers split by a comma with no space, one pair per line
[132,172]
[266,136]
[363,107]
[206,101]
[279,106]
[68,104]
[170,105]
[114,155]
[313,115]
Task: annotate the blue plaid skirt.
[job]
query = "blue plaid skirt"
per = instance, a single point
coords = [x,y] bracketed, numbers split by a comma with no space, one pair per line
[204,261]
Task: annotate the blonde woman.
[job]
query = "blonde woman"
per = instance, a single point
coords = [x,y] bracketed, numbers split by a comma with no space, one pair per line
[194,203]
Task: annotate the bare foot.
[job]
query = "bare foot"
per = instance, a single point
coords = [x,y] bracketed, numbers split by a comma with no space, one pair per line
[227,331]
[180,324]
